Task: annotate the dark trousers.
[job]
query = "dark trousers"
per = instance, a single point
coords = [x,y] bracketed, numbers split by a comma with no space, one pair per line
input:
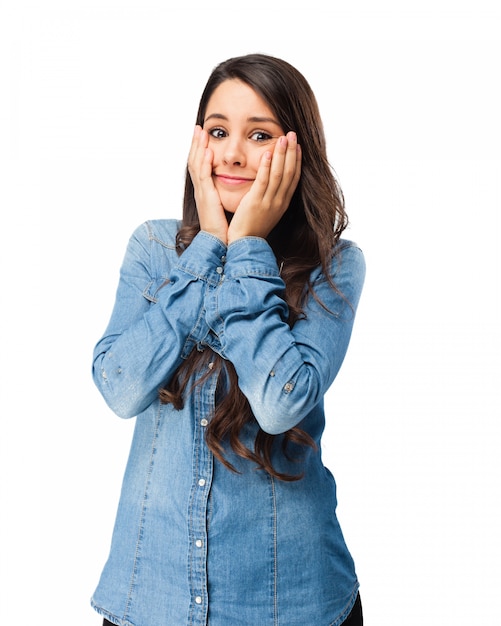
[355,617]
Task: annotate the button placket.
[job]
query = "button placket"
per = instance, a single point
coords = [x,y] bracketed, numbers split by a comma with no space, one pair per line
[202,477]
[220,268]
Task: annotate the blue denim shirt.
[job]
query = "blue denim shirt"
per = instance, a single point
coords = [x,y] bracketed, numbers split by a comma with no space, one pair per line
[193,542]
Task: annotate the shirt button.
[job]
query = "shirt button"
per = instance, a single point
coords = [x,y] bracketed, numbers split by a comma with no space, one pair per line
[219,270]
[201,482]
[223,258]
[198,600]
[198,543]
[204,422]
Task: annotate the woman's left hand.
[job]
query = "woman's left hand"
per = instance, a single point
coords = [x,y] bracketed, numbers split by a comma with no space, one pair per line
[271,193]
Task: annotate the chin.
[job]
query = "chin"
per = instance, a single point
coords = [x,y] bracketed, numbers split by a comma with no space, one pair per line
[230,205]
[229,200]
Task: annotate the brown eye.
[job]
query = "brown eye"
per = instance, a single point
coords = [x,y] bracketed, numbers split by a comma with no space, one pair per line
[217,133]
[260,135]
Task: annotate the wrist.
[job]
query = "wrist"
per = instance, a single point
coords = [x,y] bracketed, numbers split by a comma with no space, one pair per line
[222,237]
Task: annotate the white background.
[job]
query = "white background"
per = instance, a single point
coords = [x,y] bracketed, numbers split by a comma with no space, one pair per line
[96,113]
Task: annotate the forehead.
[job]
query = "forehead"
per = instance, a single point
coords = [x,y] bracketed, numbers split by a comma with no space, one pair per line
[234,98]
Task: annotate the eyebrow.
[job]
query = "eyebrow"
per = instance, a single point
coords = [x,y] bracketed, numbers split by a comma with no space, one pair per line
[255,119]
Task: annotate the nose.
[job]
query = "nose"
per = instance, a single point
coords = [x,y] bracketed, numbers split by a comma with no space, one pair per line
[234,153]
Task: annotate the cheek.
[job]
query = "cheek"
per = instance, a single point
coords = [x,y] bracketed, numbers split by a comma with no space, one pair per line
[257,155]
[216,151]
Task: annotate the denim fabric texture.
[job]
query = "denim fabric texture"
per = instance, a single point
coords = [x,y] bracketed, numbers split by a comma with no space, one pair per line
[194,543]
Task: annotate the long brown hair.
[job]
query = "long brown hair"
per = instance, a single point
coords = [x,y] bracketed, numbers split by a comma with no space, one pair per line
[304,238]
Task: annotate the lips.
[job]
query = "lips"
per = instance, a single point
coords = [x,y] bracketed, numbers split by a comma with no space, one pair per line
[226,179]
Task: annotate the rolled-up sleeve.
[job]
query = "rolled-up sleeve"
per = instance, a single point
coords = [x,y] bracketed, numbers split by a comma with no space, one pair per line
[283,372]
[146,339]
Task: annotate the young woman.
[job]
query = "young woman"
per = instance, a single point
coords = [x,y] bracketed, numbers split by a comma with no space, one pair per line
[228,328]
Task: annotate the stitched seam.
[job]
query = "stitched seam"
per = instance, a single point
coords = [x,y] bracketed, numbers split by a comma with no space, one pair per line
[275,556]
[142,518]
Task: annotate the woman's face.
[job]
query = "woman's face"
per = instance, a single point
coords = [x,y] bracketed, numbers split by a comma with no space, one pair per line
[241,127]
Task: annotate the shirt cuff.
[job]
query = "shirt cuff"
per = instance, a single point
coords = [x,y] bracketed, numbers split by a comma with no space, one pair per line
[204,258]
[250,256]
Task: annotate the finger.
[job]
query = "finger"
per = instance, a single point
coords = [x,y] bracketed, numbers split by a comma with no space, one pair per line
[263,175]
[297,170]
[277,166]
[285,170]
[290,170]
[207,157]
[202,180]
[292,186]
[200,168]
[269,174]
[194,144]
[196,156]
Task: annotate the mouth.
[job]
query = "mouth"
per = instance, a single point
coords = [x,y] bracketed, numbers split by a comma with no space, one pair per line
[232,181]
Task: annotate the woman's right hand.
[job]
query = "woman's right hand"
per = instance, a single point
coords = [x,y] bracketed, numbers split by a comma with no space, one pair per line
[210,209]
